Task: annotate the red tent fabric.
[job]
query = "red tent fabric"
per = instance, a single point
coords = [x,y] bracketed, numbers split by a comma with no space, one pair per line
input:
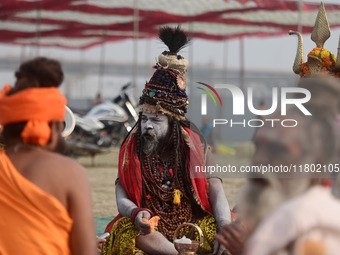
[83,23]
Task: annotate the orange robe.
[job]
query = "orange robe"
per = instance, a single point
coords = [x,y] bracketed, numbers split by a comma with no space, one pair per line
[32,221]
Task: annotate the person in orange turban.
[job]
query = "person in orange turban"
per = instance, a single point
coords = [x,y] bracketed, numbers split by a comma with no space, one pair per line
[45,198]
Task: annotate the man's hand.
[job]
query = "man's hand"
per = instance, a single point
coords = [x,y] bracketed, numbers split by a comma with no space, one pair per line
[144,228]
[219,249]
[100,243]
[232,237]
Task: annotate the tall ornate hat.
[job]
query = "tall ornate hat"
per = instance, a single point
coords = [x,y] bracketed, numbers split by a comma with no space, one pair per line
[166,90]
[319,59]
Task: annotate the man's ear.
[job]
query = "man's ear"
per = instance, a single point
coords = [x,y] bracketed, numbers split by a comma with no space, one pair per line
[56,129]
[60,126]
[57,126]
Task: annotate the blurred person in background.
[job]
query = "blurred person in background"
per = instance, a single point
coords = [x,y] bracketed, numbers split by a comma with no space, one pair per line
[45,198]
[208,132]
[98,100]
[261,107]
[292,213]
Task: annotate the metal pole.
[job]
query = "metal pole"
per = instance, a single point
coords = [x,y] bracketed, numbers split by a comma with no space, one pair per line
[220,112]
[37,37]
[101,65]
[225,59]
[148,56]
[81,78]
[135,46]
[22,54]
[300,5]
[242,72]
[36,41]
[191,57]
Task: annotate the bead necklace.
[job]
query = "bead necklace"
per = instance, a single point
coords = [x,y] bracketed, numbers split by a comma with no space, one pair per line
[160,179]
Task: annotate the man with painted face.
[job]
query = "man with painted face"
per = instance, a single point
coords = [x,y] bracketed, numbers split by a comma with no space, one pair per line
[156,168]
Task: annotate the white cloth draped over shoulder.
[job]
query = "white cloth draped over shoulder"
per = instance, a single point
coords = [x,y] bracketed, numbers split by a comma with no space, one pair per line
[309,221]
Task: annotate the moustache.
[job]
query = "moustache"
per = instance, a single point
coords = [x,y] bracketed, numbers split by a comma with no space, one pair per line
[149,133]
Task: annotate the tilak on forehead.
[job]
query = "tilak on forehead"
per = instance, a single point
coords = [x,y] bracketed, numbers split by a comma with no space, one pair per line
[166,91]
[37,107]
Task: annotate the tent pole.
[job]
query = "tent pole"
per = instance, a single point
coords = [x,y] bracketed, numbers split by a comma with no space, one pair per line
[242,68]
[37,34]
[148,52]
[22,54]
[220,112]
[135,46]
[225,59]
[191,56]
[38,31]
[299,28]
[82,74]
[101,65]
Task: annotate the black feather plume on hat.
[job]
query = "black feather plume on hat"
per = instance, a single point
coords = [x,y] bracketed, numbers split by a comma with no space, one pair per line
[174,38]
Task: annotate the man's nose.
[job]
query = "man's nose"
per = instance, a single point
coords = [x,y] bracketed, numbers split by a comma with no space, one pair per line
[148,125]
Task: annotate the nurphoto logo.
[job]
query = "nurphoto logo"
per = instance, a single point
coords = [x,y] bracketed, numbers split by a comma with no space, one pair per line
[238,107]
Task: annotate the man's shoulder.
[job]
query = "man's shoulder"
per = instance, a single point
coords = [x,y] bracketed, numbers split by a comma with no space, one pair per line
[54,162]
[312,209]
[313,201]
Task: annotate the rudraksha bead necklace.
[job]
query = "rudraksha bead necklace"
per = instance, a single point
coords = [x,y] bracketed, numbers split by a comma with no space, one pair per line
[159,187]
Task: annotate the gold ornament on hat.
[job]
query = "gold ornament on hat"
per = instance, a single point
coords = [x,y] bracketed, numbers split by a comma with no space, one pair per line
[319,59]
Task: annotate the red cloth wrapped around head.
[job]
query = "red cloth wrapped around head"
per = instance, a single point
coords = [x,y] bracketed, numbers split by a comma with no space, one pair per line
[37,106]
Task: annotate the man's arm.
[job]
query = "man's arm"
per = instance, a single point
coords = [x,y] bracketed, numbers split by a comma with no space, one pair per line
[217,198]
[218,202]
[83,236]
[124,204]
[126,208]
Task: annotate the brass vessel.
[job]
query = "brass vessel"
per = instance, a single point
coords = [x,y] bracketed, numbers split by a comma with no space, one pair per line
[188,249]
